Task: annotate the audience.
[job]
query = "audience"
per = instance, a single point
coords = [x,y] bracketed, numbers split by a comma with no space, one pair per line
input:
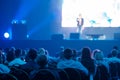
[33,60]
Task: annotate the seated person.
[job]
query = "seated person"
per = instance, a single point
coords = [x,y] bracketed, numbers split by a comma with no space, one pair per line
[68,62]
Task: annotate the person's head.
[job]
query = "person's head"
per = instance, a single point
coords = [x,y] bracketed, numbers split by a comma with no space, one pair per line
[114,53]
[74,54]
[46,52]
[10,56]
[32,54]
[94,52]
[86,52]
[68,53]
[18,53]
[115,47]
[1,58]
[42,60]
[12,49]
[98,55]
[80,15]
[6,50]
[41,51]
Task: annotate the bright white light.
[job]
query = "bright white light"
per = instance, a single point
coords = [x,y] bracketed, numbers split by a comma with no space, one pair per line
[6,35]
[98,10]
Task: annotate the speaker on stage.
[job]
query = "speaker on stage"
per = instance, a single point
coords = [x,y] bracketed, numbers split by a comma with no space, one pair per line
[74,35]
[57,37]
[19,31]
[117,36]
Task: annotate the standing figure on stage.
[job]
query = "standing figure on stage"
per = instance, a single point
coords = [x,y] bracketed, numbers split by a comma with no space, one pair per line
[80,22]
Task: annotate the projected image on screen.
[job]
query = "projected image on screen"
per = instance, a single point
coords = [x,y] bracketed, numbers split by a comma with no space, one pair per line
[96,13]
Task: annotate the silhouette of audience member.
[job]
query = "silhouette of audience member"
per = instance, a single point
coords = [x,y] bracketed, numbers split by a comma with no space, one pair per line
[59,54]
[17,61]
[42,61]
[102,67]
[3,68]
[68,62]
[74,55]
[114,65]
[10,55]
[100,59]
[41,51]
[52,61]
[114,58]
[117,48]
[87,61]
[31,64]
[114,48]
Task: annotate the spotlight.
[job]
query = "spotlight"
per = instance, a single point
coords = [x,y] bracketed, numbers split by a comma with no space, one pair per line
[27,36]
[23,21]
[14,21]
[6,35]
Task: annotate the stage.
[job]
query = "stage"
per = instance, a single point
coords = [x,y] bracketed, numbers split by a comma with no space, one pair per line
[103,33]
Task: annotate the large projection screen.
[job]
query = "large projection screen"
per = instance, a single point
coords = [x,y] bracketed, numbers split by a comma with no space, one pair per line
[96,13]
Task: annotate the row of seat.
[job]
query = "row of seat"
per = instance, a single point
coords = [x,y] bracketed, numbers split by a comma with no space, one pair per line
[45,74]
[64,74]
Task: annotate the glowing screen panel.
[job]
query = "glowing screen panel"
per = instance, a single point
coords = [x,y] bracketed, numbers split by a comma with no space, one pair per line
[96,13]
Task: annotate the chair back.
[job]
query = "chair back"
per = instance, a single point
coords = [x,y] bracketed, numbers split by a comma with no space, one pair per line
[73,74]
[101,73]
[45,74]
[62,74]
[6,76]
[19,73]
[114,70]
